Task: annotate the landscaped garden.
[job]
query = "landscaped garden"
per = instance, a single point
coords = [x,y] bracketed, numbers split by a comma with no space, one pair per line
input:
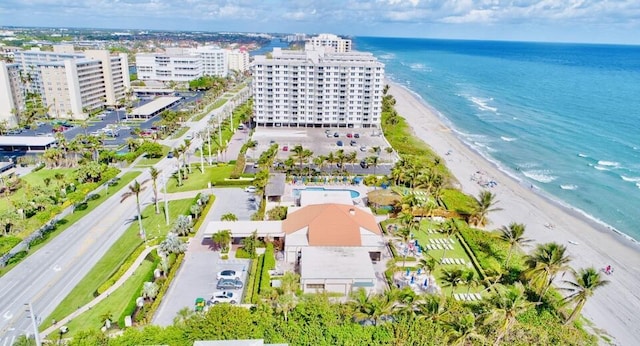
[196,180]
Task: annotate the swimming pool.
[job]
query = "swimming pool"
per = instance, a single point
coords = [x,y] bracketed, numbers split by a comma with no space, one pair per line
[296,192]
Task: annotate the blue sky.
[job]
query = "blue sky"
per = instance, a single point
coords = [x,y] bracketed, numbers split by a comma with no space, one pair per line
[607,21]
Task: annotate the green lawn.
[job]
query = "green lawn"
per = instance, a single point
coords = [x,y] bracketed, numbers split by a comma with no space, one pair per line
[113,305]
[180,132]
[148,162]
[37,179]
[197,180]
[155,227]
[423,236]
[219,103]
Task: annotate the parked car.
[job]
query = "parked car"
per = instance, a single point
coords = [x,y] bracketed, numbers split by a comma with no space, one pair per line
[227,274]
[356,135]
[349,135]
[251,189]
[353,143]
[339,143]
[363,148]
[228,284]
[335,134]
[223,297]
[170,155]
[364,164]
[285,148]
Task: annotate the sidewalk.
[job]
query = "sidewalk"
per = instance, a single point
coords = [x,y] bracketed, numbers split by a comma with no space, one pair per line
[101,297]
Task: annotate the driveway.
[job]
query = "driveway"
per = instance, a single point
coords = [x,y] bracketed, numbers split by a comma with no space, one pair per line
[197,275]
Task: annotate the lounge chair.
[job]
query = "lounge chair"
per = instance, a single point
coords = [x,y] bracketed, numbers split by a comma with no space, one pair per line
[439,247]
[457,260]
[478,296]
[450,246]
[451,241]
[457,296]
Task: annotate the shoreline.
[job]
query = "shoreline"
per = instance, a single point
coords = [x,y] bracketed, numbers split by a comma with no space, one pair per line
[589,242]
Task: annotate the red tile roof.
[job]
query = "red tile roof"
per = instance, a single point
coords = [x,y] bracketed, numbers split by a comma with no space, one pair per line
[331,224]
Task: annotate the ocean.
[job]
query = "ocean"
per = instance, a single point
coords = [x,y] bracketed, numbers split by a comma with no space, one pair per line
[562,117]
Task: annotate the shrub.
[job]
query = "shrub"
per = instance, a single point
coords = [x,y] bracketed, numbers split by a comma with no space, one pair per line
[39,167]
[277,213]
[164,286]
[241,253]
[93,196]
[17,257]
[131,307]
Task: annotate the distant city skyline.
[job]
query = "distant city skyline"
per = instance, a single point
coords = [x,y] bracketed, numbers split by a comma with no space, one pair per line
[521,20]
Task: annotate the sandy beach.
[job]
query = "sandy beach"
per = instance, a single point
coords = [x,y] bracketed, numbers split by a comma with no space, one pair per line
[614,308]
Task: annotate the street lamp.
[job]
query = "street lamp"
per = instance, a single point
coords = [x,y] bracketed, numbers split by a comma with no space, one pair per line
[63,330]
[34,324]
[166,200]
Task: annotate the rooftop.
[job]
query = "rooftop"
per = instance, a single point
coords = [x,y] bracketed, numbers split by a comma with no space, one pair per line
[311,197]
[275,186]
[332,224]
[154,106]
[36,141]
[336,263]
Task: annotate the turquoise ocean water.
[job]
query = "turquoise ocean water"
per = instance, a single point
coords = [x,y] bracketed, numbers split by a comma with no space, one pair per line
[563,117]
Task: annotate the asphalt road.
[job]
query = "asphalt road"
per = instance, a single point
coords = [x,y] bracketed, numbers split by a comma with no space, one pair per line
[46,277]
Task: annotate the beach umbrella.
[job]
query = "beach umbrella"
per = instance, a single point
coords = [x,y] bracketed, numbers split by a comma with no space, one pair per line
[413,279]
[419,271]
[426,282]
[408,271]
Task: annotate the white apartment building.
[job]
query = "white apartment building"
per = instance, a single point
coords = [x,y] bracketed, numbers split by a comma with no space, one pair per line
[70,84]
[11,97]
[165,67]
[334,43]
[315,88]
[183,64]
[214,60]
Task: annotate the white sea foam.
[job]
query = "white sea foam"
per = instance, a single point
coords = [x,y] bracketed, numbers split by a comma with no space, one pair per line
[638,185]
[388,56]
[482,104]
[542,176]
[508,139]
[602,168]
[569,187]
[631,179]
[419,67]
[608,163]
[583,155]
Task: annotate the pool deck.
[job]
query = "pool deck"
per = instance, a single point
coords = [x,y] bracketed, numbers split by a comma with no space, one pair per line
[288,198]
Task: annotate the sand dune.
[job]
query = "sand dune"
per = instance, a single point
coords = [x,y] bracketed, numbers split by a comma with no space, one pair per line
[614,308]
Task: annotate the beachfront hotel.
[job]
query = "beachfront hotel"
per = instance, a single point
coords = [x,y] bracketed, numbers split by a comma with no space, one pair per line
[317,88]
[70,84]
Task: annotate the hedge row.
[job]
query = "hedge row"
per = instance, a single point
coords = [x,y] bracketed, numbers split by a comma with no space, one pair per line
[204,211]
[121,270]
[238,169]
[252,281]
[163,289]
[268,264]
[131,307]
[242,182]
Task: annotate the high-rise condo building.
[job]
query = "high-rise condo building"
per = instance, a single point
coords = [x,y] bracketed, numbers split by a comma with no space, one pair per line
[316,88]
[69,85]
[334,43]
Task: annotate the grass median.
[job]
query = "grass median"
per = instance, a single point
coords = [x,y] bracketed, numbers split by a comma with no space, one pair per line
[155,227]
[197,180]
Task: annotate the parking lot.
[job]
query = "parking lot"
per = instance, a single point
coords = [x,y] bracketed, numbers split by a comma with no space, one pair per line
[322,141]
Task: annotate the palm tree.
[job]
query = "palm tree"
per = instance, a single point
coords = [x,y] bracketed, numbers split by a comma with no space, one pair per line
[373,161]
[427,263]
[470,279]
[135,189]
[284,304]
[513,234]
[452,278]
[319,162]
[222,238]
[546,261]
[450,228]
[155,174]
[183,315]
[432,307]
[586,281]
[484,205]
[463,330]
[389,151]
[229,217]
[352,158]
[505,306]
[298,153]
[150,290]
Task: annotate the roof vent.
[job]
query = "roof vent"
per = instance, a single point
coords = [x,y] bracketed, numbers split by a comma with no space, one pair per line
[352,211]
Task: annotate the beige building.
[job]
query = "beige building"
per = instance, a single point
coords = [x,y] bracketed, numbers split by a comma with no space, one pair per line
[238,60]
[70,84]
